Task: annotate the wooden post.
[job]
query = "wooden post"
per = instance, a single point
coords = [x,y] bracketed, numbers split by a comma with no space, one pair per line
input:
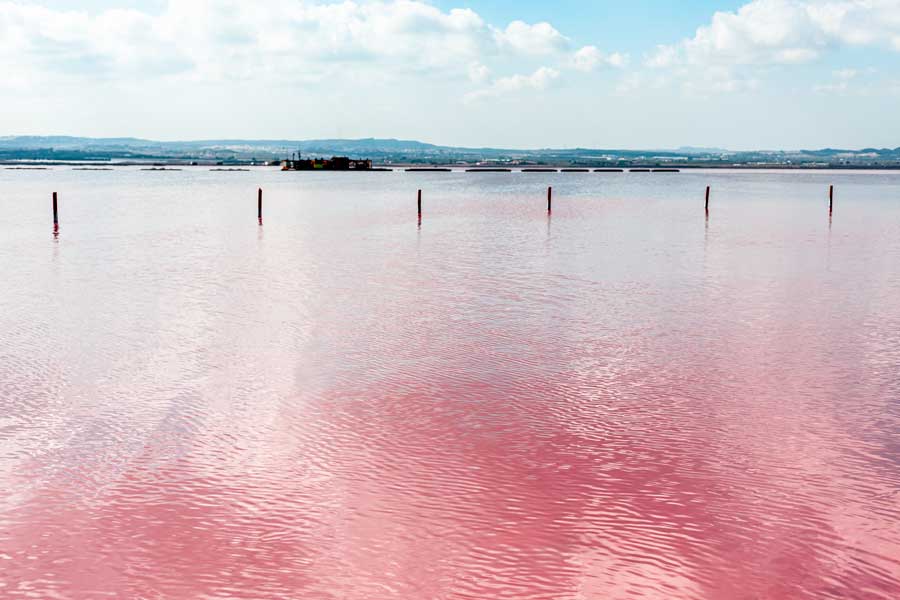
[549,199]
[55,213]
[707,200]
[831,200]
[419,203]
[259,206]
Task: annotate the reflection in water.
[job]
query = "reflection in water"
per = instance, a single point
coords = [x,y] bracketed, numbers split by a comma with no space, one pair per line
[357,409]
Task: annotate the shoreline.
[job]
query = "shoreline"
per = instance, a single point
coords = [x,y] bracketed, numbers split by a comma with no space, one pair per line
[471,168]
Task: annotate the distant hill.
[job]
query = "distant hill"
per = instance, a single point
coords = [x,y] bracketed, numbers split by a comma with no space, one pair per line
[696,150]
[82,148]
[67,148]
[82,143]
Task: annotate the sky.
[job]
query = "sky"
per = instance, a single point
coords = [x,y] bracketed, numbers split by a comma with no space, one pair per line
[742,74]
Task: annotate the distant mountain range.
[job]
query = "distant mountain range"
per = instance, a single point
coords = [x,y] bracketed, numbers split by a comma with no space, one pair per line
[64,148]
[83,143]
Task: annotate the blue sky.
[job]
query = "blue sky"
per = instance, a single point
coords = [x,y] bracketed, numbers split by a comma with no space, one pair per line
[632,25]
[651,74]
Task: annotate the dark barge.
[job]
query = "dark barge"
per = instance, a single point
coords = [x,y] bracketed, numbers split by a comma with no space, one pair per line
[335,163]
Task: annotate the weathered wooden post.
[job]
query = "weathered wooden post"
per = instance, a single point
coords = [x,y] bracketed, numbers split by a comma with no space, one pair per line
[707,200]
[259,206]
[419,203]
[55,214]
[830,200]
[549,199]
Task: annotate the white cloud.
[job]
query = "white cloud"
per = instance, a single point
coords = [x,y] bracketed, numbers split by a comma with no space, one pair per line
[35,40]
[630,83]
[839,87]
[732,51]
[845,81]
[539,80]
[590,58]
[478,73]
[539,39]
[617,59]
[717,80]
[765,32]
[845,74]
[664,56]
[301,42]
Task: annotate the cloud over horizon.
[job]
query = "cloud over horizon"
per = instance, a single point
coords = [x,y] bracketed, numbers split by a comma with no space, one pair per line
[302,42]
[766,33]
[383,66]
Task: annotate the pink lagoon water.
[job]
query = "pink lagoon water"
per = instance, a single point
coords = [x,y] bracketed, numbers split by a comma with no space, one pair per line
[617,401]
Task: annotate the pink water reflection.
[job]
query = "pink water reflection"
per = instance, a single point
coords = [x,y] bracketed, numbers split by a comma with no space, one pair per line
[621,404]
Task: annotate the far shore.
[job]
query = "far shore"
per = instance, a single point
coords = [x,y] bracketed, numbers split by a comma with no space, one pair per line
[487,167]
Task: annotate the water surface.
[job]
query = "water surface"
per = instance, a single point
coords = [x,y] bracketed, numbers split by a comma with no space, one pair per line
[618,400]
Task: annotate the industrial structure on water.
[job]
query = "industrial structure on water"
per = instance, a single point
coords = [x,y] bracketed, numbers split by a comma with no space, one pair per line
[335,163]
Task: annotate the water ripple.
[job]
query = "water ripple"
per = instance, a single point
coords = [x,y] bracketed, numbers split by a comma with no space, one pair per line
[620,401]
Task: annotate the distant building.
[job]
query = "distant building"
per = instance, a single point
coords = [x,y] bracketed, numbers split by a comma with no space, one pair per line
[335,163]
